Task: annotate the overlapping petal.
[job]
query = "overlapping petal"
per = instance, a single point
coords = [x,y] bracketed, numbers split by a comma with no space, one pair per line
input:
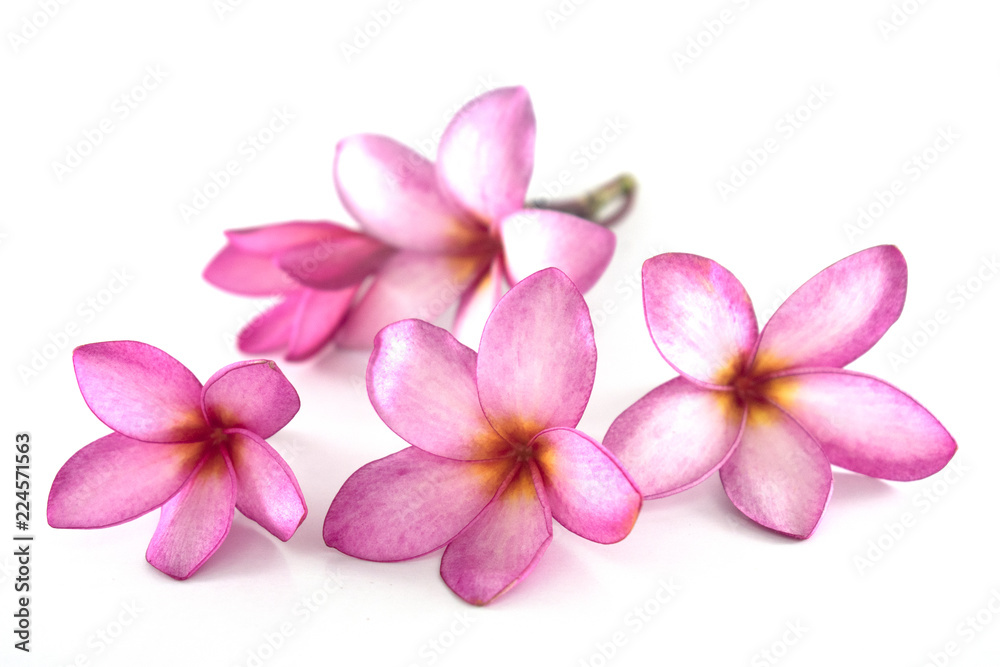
[317,319]
[778,475]
[422,383]
[486,153]
[241,272]
[699,316]
[90,491]
[587,489]
[195,521]
[537,358]
[503,544]
[675,436]
[477,303]
[271,329]
[408,504]
[393,192]
[864,424]
[140,391]
[534,239]
[272,240]
[837,315]
[409,285]
[335,264]
[253,395]
[266,488]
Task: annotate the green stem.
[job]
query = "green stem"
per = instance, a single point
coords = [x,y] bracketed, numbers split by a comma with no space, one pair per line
[618,194]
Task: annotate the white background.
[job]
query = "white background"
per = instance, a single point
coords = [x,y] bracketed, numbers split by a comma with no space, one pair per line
[684,129]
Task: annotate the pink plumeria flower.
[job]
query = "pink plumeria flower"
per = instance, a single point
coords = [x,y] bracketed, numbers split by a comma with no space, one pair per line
[461,222]
[496,455]
[316,268]
[772,411]
[195,452]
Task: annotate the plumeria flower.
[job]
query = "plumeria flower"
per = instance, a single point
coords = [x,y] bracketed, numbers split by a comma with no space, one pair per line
[462,223]
[495,453]
[773,410]
[196,452]
[315,267]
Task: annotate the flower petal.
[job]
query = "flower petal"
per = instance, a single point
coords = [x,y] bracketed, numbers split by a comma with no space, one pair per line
[320,315]
[477,303]
[272,240]
[116,479]
[241,272]
[778,475]
[409,285]
[675,436]
[864,424]
[588,490]
[503,544]
[140,391]
[409,504]
[534,240]
[537,358]
[196,521]
[487,153]
[699,316]
[269,331]
[253,395]
[335,264]
[837,315]
[422,383]
[267,490]
[393,193]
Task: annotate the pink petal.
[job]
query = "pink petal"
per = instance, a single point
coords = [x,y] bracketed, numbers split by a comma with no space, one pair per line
[272,240]
[267,490]
[537,358]
[675,436]
[778,475]
[393,193]
[503,544]
[116,479]
[253,395]
[196,521]
[409,504]
[588,490]
[409,285]
[320,316]
[486,154]
[699,317]
[837,315]
[477,303]
[241,272]
[422,383]
[270,331]
[864,424]
[534,240]
[335,264]
[140,391]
